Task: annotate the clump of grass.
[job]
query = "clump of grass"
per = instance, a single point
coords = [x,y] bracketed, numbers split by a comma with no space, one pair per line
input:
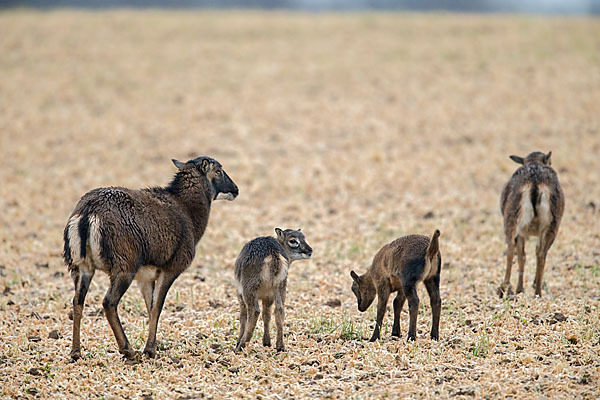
[589,327]
[481,346]
[347,329]
[323,324]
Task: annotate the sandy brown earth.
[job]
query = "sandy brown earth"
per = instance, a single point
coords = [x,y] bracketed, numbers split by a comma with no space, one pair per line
[356,128]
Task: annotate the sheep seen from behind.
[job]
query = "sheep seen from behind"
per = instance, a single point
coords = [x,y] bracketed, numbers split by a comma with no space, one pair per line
[532,204]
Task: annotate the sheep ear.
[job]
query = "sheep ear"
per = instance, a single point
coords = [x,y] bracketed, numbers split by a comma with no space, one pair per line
[279,233]
[354,276]
[547,160]
[205,165]
[177,163]
[517,159]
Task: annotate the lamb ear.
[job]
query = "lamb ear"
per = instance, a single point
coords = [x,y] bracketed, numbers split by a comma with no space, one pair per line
[177,163]
[280,234]
[547,160]
[354,276]
[517,159]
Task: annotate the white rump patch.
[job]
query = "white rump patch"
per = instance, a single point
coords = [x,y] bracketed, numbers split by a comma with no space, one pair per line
[543,208]
[269,283]
[92,256]
[526,212]
[74,240]
[94,241]
[265,272]
[431,267]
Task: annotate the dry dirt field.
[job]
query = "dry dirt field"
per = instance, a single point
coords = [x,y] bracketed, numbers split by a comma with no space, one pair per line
[358,128]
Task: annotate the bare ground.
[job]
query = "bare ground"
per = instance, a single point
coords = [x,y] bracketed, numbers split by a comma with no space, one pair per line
[357,128]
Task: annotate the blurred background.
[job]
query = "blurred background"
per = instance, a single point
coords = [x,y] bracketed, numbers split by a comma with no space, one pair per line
[501,6]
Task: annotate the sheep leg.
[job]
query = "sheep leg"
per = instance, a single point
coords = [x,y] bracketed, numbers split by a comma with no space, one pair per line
[243,318]
[433,289]
[161,287]
[119,283]
[82,278]
[398,304]
[253,311]
[280,316]
[383,295]
[546,239]
[413,308]
[521,258]
[539,271]
[266,316]
[506,288]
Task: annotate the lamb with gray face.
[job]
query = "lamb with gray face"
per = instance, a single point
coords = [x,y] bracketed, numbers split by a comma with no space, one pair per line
[261,272]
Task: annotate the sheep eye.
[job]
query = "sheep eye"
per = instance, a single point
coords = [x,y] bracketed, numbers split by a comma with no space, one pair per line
[293,243]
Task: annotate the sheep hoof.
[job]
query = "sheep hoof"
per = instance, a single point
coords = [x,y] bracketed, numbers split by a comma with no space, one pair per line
[150,353]
[75,354]
[130,354]
[520,289]
[505,288]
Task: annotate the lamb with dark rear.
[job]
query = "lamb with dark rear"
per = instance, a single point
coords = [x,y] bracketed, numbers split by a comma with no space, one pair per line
[398,267]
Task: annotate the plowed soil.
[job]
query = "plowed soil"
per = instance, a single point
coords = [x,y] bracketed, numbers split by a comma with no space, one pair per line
[357,128]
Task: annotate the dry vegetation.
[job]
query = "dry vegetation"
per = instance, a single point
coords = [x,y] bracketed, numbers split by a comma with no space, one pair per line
[356,128]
